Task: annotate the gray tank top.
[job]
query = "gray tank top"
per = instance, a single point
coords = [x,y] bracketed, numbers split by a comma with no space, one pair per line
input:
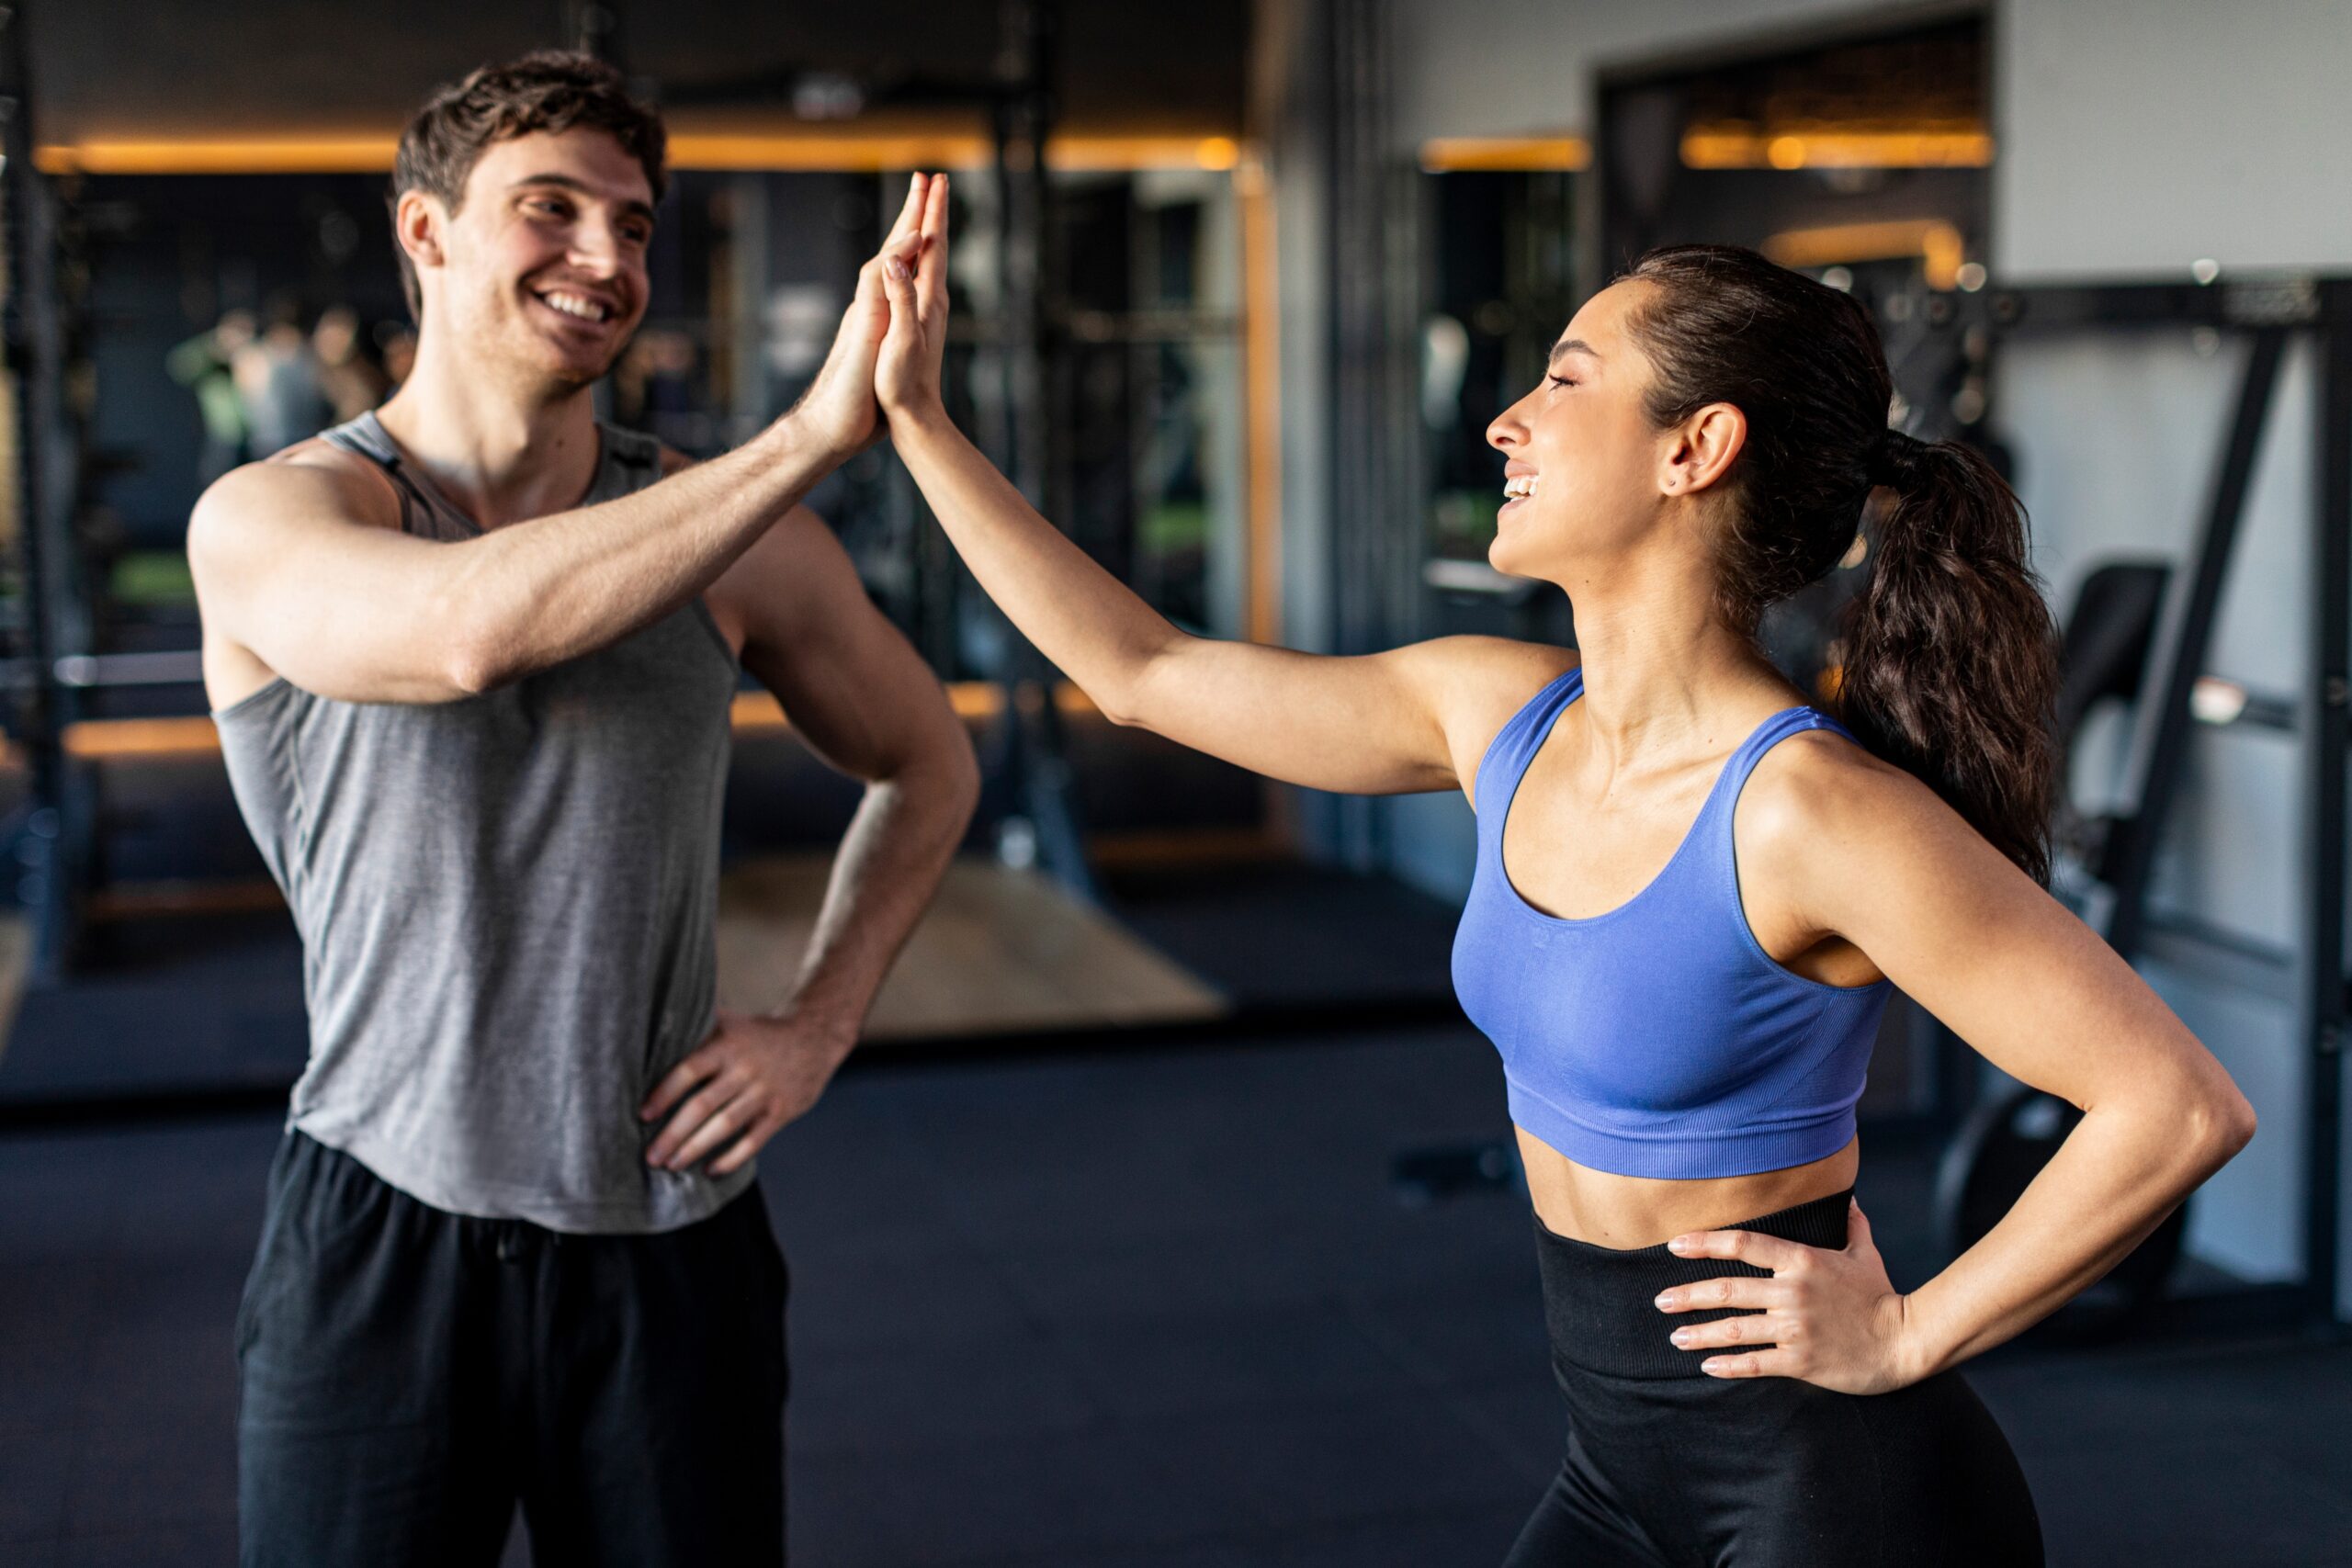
[507,904]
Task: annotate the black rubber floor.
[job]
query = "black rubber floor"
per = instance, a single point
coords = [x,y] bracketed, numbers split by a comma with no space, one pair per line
[1159,1310]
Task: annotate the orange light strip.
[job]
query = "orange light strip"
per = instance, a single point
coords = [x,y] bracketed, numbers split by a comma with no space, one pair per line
[141,738]
[846,150]
[1829,147]
[751,713]
[1936,242]
[1456,155]
[319,155]
[757,712]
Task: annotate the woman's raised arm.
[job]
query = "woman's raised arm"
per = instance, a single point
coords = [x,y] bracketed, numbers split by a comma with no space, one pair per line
[1411,719]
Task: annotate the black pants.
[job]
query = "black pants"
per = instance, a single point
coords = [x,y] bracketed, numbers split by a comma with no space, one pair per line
[409,1374]
[1668,1466]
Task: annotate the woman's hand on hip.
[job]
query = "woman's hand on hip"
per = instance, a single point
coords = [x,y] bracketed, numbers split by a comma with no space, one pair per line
[1828,1317]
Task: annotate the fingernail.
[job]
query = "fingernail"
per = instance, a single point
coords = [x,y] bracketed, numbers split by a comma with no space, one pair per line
[1710,1365]
[896,268]
[1679,1244]
[1666,1300]
[1681,1336]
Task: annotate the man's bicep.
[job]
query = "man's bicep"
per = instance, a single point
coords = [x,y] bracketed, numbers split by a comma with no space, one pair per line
[854,689]
[292,563]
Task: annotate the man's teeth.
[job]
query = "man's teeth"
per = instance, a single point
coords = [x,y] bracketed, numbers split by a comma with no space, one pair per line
[1524,485]
[572,305]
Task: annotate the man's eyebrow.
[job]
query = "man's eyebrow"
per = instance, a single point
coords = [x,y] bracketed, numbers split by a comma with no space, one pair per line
[565,182]
[1570,345]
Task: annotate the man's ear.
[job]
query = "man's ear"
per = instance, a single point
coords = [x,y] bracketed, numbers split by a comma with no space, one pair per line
[1701,449]
[419,223]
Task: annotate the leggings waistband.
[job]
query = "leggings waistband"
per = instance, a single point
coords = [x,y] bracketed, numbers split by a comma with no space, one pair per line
[1600,1300]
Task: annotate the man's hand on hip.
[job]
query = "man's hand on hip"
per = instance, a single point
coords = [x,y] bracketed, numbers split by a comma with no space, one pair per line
[752,1075]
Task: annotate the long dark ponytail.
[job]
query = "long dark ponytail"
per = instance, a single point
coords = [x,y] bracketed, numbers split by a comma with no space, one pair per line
[1949,666]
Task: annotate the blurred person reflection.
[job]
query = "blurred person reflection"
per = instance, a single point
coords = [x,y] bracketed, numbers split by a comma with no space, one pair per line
[396,346]
[202,365]
[350,380]
[277,376]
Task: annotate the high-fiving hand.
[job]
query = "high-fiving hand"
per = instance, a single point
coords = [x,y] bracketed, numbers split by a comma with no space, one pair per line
[839,407]
[914,280]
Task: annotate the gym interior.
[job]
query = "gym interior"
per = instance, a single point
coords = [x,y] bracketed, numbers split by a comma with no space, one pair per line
[1168,1214]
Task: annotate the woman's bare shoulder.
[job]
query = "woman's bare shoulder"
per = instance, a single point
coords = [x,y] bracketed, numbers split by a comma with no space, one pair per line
[1476,683]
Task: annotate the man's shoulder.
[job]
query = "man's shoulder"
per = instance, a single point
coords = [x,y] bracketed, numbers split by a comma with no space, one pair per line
[314,480]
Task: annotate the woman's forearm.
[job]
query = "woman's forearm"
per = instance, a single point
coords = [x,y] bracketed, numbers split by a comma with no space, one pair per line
[1091,625]
[2124,1169]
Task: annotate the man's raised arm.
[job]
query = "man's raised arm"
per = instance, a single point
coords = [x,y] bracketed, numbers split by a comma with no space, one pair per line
[294,562]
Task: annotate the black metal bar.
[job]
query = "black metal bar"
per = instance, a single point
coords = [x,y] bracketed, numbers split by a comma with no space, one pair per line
[1028,752]
[2324,765]
[46,849]
[2180,651]
[2241,303]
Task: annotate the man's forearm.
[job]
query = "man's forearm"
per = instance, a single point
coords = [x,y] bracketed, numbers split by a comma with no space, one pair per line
[888,865]
[533,594]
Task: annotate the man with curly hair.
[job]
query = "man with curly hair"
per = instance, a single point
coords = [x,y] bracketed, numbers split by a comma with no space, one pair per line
[472,657]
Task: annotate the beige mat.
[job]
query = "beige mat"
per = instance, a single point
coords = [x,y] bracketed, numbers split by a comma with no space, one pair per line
[1000,952]
[16,961]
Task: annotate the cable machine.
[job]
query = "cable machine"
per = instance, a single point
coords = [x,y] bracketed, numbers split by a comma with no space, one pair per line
[2006,1138]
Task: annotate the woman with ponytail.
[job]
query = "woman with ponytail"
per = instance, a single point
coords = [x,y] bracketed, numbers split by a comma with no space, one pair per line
[1693,892]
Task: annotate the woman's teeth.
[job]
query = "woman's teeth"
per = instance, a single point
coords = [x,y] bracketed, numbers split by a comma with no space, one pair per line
[1525,485]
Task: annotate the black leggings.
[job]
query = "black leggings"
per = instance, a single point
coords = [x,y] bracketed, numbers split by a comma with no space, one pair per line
[1668,1466]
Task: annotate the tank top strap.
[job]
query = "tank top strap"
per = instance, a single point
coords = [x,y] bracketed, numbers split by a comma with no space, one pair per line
[1516,743]
[365,437]
[627,461]
[423,512]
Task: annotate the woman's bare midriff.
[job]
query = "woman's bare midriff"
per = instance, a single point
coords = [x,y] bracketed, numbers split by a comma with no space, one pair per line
[1629,1212]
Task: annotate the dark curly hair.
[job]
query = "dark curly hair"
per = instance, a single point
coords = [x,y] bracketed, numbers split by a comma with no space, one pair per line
[1950,668]
[549,89]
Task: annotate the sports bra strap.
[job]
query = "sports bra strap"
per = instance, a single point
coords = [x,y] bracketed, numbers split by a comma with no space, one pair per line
[1515,744]
[1723,801]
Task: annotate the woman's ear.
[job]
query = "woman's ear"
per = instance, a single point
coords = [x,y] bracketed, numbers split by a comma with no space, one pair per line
[1701,449]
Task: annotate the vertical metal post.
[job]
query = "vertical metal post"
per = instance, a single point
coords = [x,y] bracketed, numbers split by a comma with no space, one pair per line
[2161,734]
[1029,751]
[1024,121]
[36,346]
[593,26]
[2325,763]
[1376,534]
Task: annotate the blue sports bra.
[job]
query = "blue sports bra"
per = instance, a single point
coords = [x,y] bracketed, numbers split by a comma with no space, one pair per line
[1659,1038]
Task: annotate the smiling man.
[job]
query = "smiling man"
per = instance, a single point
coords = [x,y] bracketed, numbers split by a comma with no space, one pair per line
[472,657]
